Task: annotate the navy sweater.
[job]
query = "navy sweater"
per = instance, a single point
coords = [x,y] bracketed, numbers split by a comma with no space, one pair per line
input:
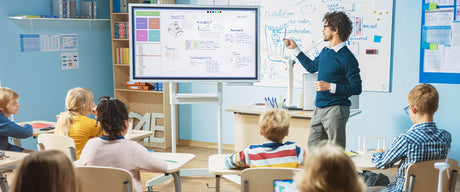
[340,68]
[11,129]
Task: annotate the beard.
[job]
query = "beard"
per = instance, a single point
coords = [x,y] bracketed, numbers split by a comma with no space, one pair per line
[327,37]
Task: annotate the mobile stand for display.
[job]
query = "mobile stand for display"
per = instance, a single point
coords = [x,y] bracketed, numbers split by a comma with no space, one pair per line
[190,98]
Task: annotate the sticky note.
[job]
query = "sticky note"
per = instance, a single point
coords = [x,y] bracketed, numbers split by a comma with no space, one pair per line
[432,6]
[377,38]
[433,46]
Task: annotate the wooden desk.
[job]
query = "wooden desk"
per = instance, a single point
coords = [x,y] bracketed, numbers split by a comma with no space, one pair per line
[175,161]
[247,125]
[14,158]
[216,166]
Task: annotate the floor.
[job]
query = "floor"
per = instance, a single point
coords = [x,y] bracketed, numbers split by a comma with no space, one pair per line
[193,183]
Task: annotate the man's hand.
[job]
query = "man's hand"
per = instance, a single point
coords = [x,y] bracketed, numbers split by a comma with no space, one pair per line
[322,86]
[290,44]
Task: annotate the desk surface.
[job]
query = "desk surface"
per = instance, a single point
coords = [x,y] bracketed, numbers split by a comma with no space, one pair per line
[175,160]
[363,161]
[132,135]
[13,159]
[259,109]
[216,166]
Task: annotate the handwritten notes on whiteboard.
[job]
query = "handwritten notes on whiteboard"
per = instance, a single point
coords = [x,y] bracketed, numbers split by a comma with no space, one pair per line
[301,20]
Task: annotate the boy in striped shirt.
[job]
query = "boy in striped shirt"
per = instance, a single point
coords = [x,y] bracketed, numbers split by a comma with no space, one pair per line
[274,126]
[422,142]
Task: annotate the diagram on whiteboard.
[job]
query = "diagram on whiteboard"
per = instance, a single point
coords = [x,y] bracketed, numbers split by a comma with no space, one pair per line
[301,20]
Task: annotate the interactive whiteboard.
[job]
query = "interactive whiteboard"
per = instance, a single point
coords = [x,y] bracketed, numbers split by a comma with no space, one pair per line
[301,20]
[183,43]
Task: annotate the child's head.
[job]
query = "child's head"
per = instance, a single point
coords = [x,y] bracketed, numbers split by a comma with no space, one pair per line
[8,101]
[45,171]
[327,168]
[113,116]
[79,101]
[274,124]
[424,98]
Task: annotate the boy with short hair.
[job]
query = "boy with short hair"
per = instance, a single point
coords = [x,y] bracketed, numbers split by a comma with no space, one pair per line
[422,142]
[9,105]
[274,126]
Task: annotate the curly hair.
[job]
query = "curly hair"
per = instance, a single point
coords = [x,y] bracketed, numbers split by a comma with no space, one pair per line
[340,21]
[112,114]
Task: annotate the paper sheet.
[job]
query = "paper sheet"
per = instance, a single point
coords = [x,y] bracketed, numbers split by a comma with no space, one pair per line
[451,58]
[69,60]
[49,42]
[434,59]
[455,34]
[438,17]
[69,42]
[441,2]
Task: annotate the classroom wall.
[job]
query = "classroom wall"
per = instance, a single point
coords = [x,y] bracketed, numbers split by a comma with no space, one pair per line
[382,113]
[37,76]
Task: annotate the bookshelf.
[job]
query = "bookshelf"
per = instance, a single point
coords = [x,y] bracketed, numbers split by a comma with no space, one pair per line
[139,101]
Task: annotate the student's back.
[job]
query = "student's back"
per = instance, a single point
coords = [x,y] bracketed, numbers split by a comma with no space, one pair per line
[274,126]
[114,150]
[74,122]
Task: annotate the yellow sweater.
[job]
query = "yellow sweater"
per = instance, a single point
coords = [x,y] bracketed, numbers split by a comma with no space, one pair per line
[83,128]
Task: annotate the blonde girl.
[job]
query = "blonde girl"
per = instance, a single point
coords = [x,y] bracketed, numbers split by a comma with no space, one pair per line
[74,122]
[328,169]
[50,171]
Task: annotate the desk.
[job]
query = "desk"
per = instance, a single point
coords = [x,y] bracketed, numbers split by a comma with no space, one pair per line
[216,166]
[247,125]
[13,159]
[131,135]
[174,161]
[364,162]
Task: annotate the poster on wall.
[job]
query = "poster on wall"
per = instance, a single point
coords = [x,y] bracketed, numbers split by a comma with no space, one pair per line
[69,60]
[69,42]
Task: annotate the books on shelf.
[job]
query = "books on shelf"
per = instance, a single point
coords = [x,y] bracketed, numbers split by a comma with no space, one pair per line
[139,86]
[121,6]
[121,30]
[122,55]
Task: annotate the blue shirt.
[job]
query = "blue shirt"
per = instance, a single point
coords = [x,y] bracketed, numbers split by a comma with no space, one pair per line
[11,129]
[422,142]
[339,67]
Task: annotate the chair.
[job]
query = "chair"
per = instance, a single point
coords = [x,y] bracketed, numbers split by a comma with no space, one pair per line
[423,176]
[261,179]
[97,178]
[57,142]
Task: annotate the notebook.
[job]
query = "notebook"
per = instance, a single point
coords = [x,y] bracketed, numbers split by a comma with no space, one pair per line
[42,126]
[284,186]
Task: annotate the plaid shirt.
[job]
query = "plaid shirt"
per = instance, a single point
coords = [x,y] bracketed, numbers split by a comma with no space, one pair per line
[422,142]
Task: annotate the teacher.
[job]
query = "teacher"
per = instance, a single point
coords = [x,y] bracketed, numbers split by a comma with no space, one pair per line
[338,79]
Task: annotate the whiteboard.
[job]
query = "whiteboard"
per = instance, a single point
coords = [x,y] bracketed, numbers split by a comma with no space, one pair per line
[182,43]
[301,20]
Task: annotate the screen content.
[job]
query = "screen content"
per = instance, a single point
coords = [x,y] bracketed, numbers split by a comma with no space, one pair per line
[194,43]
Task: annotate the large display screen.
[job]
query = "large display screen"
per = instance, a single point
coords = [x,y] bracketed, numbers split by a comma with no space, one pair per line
[174,43]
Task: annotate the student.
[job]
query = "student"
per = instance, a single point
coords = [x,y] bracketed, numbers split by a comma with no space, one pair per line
[9,105]
[328,169]
[74,122]
[113,149]
[274,126]
[422,142]
[338,79]
[50,171]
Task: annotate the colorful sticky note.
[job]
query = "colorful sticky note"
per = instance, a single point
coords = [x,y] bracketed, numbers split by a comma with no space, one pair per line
[433,46]
[432,6]
[377,38]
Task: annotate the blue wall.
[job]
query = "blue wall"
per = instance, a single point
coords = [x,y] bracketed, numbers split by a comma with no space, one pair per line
[382,113]
[37,76]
